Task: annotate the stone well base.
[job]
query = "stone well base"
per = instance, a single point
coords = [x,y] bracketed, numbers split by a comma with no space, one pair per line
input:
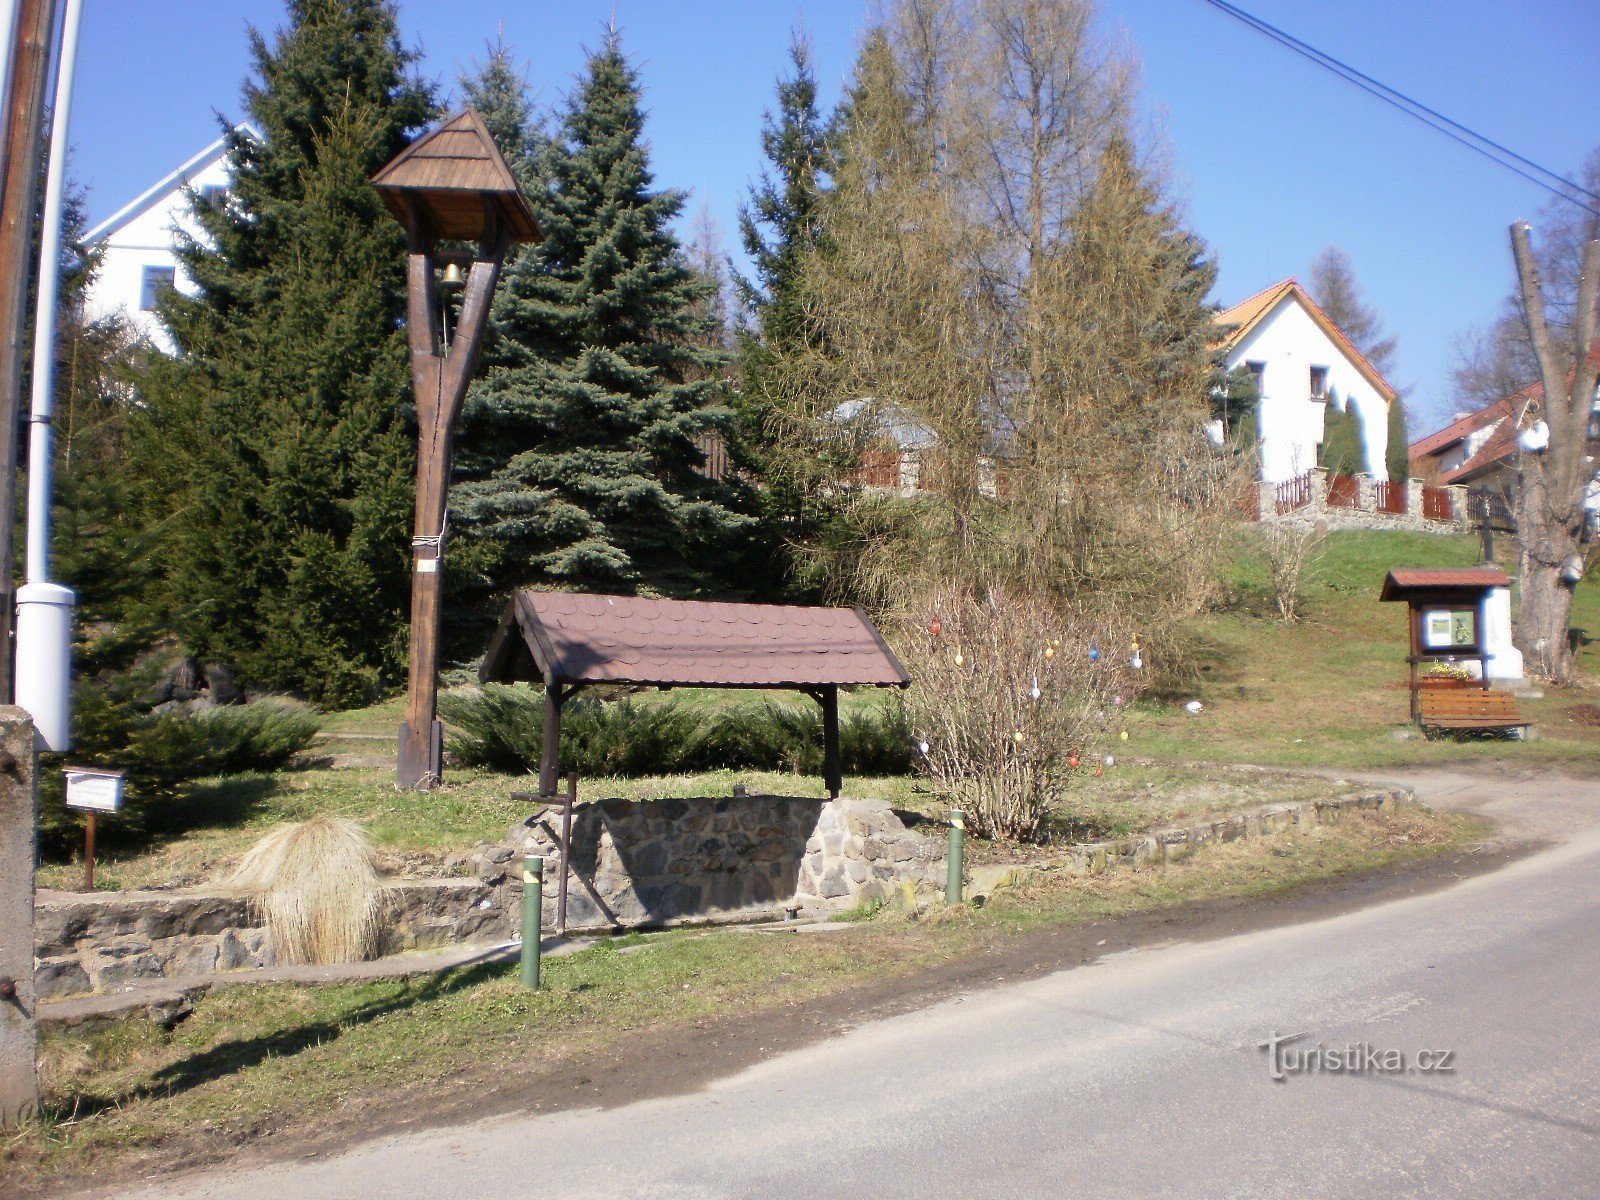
[664,862]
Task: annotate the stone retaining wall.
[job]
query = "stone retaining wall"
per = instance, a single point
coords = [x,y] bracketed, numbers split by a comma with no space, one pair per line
[1365,514]
[635,864]
[105,942]
[1177,843]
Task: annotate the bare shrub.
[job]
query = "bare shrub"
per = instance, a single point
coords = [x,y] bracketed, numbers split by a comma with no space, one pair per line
[1011,695]
[315,884]
[1292,551]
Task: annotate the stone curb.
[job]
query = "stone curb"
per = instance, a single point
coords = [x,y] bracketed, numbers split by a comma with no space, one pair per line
[1178,842]
[161,999]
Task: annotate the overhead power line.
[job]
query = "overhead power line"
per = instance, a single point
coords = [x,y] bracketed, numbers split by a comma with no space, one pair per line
[1500,155]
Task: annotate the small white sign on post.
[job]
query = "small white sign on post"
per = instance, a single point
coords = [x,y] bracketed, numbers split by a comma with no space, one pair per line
[94,789]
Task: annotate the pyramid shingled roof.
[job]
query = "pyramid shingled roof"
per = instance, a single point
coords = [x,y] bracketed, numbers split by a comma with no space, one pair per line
[452,174]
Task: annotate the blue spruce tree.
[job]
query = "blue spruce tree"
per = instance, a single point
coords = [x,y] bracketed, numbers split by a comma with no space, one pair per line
[579,466]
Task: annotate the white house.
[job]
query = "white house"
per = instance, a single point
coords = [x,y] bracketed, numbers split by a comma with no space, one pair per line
[138,260]
[1303,364]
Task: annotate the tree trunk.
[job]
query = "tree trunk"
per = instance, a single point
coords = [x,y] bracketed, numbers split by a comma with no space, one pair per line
[1544,613]
[1554,480]
[1544,617]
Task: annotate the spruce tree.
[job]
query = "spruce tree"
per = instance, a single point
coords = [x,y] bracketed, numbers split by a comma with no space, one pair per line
[783,219]
[277,438]
[1237,405]
[584,472]
[1336,290]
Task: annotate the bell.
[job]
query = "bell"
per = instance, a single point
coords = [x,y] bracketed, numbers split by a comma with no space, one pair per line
[453,278]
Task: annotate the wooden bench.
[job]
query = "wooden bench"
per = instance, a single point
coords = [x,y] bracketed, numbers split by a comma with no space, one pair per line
[1469,708]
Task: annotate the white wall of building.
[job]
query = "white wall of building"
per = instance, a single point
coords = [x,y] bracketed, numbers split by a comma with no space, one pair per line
[139,238]
[1289,342]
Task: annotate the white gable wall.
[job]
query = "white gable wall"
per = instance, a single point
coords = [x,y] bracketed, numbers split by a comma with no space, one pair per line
[1289,342]
[143,240]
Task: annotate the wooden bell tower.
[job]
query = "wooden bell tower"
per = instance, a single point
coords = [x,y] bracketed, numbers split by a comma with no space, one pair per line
[449,186]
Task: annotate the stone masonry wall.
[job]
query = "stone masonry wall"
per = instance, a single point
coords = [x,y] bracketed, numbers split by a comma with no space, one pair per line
[660,862]
[103,942]
[1317,511]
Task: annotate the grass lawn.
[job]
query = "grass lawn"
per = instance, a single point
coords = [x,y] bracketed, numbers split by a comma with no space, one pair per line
[251,1061]
[1330,691]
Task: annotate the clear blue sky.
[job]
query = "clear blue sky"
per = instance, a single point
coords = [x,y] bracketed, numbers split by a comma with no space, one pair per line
[1274,158]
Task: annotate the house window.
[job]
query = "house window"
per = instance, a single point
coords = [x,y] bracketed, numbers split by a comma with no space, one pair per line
[1319,383]
[214,195]
[157,280]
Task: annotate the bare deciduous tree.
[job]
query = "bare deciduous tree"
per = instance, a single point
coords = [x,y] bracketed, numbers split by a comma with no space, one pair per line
[1554,481]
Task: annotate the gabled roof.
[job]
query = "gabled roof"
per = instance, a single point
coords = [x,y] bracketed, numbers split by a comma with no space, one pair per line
[1404,582]
[1249,313]
[1511,414]
[453,172]
[579,637]
[167,184]
[1461,428]
[1496,449]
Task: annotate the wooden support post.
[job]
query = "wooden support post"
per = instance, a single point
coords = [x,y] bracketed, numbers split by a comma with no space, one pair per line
[831,773]
[566,853]
[439,378]
[1416,650]
[550,747]
[32,32]
[88,851]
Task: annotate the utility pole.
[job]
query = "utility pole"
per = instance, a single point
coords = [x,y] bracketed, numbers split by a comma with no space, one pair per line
[26,68]
[28,72]
[44,609]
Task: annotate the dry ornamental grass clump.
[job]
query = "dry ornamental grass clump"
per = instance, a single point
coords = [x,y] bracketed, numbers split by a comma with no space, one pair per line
[316,886]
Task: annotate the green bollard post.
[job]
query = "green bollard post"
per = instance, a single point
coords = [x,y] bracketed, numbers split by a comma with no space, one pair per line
[958,845]
[532,918]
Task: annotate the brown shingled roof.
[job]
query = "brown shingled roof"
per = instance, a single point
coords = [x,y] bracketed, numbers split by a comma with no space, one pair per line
[1402,580]
[576,637]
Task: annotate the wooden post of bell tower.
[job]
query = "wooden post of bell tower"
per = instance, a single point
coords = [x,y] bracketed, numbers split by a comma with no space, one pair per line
[450,186]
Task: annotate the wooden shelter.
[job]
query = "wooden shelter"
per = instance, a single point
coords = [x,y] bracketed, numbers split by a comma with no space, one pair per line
[451,185]
[1447,621]
[570,640]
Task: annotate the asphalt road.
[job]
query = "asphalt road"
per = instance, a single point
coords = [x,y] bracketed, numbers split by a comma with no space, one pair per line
[1139,1076]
